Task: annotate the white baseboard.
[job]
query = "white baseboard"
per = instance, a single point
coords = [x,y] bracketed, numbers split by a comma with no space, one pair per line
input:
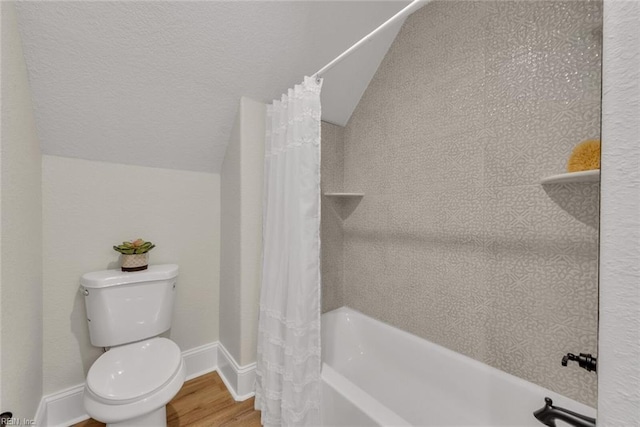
[66,407]
[240,380]
[201,360]
[41,413]
[63,408]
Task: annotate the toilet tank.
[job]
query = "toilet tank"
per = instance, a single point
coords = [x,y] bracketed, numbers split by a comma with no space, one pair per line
[124,307]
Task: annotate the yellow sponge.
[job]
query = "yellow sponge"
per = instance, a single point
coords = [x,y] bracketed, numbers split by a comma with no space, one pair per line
[585,156]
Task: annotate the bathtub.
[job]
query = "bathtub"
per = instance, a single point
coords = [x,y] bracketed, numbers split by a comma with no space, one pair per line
[374,374]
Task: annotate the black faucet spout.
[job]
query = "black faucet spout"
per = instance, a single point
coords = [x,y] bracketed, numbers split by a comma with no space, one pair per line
[549,414]
[585,361]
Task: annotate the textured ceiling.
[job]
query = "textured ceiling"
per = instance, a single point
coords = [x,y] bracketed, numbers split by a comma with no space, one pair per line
[158,83]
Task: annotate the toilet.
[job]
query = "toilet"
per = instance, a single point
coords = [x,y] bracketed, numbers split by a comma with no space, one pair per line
[132,382]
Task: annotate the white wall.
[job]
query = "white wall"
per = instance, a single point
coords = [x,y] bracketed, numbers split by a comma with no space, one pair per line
[252,136]
[230,256]
[90,206]
[21,233]
[619,345]
[241,194]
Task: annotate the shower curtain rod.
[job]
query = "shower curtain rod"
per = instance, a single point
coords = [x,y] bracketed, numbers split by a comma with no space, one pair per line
[408,10]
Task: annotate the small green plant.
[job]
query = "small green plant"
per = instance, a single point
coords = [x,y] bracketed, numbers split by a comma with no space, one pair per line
[138,246]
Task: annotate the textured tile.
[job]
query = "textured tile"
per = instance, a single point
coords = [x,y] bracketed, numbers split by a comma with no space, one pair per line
[571,381]
[414,168]
[436,68]
[576,204]
[369,219]
[549,287]
[512,214]
[332,236]
[332,155]
[460,160]
[369,160]
[529,84]
[565,288]
[413,215]
[455,240]
[524,152]
[332,259]
[532,349]
[461,213]
[452,108]
[540,55]
[563,22]
[454,54]
[525,214]
[513,26]
[365,276]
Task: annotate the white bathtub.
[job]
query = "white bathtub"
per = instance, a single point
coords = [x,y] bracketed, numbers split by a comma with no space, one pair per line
[375,374]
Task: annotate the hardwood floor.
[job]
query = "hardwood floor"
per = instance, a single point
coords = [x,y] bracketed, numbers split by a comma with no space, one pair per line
[204,402]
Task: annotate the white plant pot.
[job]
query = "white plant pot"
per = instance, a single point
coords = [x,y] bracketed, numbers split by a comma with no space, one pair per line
[135,262]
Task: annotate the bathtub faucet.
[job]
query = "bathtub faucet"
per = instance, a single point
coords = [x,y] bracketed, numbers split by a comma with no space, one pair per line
[585,361]
[549,414]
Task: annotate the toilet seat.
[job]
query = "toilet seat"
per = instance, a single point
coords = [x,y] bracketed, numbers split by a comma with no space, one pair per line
[134,371]
[112,406]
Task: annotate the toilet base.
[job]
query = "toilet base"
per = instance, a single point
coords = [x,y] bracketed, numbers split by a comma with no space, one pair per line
[157,418]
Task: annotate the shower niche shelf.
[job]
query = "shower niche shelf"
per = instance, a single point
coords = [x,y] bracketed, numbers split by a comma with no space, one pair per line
[572,177]
[344,194]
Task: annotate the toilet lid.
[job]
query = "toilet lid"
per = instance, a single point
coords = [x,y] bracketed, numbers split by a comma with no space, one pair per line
[134,370]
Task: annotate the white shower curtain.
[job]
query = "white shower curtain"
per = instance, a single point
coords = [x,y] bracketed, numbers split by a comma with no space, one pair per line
[288,365]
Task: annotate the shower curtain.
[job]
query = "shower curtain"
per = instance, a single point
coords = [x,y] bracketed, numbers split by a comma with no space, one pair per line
[288,363]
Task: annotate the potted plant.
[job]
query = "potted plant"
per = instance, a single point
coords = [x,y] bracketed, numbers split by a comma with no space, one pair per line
[135,254]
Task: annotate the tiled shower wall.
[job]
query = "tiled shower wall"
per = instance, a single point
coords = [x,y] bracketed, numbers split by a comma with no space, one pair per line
[332,235]
[455,240]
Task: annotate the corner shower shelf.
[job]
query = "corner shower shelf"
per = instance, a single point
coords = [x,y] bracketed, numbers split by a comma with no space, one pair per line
[344,194]
[566,178]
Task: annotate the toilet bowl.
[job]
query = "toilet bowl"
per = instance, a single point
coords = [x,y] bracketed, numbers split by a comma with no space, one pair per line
[131,384]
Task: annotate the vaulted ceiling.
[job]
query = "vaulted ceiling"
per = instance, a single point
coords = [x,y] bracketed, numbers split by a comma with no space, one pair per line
[158,83]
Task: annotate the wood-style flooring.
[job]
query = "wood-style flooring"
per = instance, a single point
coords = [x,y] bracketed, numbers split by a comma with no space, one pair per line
[204,402]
